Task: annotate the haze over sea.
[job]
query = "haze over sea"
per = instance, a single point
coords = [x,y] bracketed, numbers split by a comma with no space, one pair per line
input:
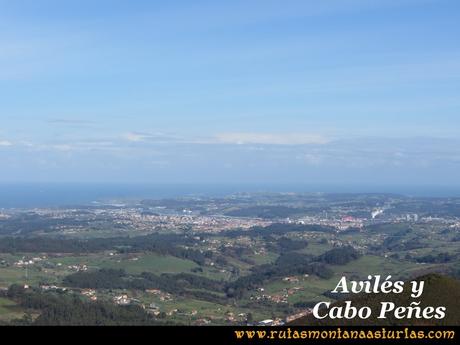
[29,195]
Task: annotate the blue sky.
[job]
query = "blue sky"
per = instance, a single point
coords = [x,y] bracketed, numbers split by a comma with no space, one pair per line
[327,92]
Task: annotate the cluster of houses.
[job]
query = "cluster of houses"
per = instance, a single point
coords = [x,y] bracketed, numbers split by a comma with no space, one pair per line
[122,299]
[153,309]
[271,322]
[298,315]
[280,322]
[27,262]
[77,268]
[52,288]
[90,293]
[231,317]
[279,298]
[163,296]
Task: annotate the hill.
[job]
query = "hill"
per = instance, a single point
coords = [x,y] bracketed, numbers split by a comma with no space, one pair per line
[439,291]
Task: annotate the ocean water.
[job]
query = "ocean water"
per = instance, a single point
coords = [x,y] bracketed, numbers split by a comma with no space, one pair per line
[50,194]
[28,195]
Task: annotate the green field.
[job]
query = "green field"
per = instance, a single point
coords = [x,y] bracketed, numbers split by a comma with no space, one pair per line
[312,288]
[153,263]
[9,310]
[31,276]
[267,258]
[374,265]
[132,264]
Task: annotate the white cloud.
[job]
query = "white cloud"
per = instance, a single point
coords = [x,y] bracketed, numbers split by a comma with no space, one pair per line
[134,137]
[150,137]
[271,138]
[62,147]
[5,143]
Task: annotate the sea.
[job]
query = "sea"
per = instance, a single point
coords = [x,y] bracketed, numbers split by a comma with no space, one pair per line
[35,195]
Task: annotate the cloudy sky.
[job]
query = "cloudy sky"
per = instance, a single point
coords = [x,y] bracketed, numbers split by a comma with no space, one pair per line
[292,91]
